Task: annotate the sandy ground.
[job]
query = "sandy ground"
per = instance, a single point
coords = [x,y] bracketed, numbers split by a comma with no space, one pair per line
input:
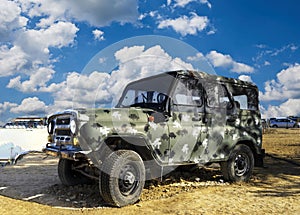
[33,187]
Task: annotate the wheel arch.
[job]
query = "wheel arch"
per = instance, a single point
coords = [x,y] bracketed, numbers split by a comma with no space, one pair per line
[137,143]
[258,156]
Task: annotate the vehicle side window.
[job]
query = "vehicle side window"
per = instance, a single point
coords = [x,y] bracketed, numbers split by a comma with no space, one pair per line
[187,94]
[129,98]
[246,97]
[217,95]
[242,101]
[141,96]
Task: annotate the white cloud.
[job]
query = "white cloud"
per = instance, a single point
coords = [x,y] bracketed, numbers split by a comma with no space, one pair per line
[10,19]
[97,13]
[137,62]
[219,60]
[199,56]
[98,34]
[31,55]
[80,90]
[226,61]
[6,106]
[287,85]
[289,47]
[245,78]
[206,2]
[30,106]
[241,68]
[288,108]
[36,81]
[12,60]
[186,25]
[183,3]
[98,88]
[265,54]
[38,42]
[26,49]
[152,14]
[261,46]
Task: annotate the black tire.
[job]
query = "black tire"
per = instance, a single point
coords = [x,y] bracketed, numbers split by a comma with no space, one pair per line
[68,176]
[240,164]
[122,178]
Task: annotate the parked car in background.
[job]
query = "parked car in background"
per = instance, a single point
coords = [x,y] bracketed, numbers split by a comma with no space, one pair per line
[283,122]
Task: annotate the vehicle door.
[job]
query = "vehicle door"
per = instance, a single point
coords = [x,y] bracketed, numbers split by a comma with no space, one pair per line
[218,110]
[185,123]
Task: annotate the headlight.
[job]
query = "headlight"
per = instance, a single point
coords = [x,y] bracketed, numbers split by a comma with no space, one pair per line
[73,126]
[50,128]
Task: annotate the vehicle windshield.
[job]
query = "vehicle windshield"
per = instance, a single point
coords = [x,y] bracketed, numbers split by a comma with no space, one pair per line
[152,93]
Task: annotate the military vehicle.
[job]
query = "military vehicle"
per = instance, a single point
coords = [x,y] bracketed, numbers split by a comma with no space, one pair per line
[168,120]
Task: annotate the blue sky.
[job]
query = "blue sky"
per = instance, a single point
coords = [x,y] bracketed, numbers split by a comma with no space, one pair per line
[48,47]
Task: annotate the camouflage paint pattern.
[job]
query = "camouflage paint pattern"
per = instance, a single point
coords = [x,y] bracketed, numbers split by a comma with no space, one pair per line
[188,133]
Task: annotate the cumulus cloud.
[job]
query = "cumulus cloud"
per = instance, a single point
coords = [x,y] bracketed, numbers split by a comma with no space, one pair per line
[245,78]
[30,106]
[96,13]
[287,108]
[183,3]
[286,86]
[185,25]
[38,42]
[12,60]
[220,60]
[137,62]
[36,82]
[26,47]
[98,88]
[98,34]
[10,19]
[6,106]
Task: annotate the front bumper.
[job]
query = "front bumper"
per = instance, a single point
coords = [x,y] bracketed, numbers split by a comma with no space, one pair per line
[66,152]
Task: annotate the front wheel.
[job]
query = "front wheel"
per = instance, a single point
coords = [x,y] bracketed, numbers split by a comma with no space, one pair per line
[68,175]
[122,178]
[240,164]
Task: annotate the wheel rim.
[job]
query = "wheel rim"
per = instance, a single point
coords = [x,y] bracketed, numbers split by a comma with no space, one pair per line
[241,164]
[128,180]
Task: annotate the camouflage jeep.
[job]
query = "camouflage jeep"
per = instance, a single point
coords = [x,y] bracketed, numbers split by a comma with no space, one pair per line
[168,120]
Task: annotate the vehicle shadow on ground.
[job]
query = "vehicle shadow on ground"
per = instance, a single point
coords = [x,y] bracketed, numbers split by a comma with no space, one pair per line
[88,196]
[279,178]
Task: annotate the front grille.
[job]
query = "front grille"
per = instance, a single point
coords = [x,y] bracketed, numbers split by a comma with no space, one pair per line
[62,135]
[63,132]
[63,121]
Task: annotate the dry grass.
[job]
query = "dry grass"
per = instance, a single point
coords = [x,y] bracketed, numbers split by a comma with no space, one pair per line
[274,189]
[282,142]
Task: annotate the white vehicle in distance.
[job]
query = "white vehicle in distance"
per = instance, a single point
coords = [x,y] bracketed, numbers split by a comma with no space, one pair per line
[283,122]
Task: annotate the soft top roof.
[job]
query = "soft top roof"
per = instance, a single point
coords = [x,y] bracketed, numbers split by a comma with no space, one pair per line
[200,75]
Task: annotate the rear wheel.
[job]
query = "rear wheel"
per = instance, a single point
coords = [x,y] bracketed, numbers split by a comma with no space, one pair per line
[240,164]
[68,175]
[122,178]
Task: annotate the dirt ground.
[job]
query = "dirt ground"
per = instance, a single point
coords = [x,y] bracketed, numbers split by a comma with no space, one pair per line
[33,187]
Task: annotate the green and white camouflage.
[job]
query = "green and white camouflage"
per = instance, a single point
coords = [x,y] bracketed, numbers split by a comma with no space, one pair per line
[171,119]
